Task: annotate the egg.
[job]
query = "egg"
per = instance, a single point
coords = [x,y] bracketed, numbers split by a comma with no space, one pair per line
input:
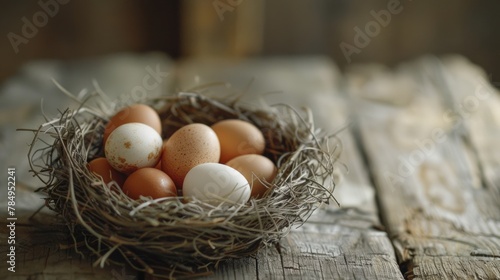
[256,169]
[149,182]
[238,137]
[140,113]
[158,165]
[103,169]
[189,146]
[216,184]
[132,146]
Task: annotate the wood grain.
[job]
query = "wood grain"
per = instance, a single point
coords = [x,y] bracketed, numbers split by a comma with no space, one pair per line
[438,209]
[320,251]
[44,251]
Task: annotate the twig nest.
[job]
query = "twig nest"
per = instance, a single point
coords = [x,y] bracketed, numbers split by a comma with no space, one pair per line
[177,234]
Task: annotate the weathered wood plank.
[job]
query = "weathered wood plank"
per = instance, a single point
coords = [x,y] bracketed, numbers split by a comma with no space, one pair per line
[335,243]
[432,196]
[44,251]
[320,251]
[330,251]
[454,267]
[475,105]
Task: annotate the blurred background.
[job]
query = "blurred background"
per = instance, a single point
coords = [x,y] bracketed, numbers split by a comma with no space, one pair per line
[385,31]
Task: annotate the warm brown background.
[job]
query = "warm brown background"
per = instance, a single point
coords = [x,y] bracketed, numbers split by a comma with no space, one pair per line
[254,27]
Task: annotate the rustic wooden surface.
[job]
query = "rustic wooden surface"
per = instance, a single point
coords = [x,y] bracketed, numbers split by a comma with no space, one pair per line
[438,195]
[428,132]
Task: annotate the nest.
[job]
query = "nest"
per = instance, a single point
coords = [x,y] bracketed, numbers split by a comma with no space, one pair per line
[169,237]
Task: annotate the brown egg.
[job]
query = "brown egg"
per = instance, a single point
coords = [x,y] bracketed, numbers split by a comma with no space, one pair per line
[150,182]
[102,168]
[256,169]
[238,137]
[189,146]
[135,113]
[158,165]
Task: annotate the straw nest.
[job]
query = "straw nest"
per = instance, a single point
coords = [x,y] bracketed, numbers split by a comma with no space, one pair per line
[169,237]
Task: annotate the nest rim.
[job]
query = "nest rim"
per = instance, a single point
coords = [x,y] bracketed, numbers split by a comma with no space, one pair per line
[260,222]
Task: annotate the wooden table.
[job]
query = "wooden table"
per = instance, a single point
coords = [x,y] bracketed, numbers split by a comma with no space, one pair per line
[420,197]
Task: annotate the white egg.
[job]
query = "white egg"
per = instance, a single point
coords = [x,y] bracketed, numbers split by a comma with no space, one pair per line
[215,184]
[132,146]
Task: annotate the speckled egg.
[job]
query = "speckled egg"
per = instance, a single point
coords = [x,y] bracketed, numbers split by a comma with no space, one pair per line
[191,145]
[132,146]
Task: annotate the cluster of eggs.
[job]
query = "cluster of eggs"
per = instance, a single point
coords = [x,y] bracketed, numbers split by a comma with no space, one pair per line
[221,163]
